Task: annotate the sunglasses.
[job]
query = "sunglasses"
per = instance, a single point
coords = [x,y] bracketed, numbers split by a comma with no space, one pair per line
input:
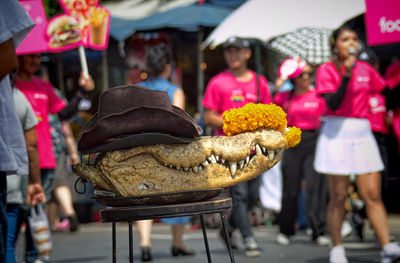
[307,74]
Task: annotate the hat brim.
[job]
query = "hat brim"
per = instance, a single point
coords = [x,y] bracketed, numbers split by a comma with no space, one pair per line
[135,140]
[137,121]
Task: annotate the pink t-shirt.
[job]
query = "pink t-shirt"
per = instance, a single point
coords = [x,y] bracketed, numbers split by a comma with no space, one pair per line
[392,74]
[378,112]
[304,110]
[43,100]
[225,92]
[365,80]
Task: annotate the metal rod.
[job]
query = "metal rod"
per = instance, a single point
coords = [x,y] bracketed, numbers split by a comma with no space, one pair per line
[114,244]
[203,226]
[200,72]
[227,237]
[130,243]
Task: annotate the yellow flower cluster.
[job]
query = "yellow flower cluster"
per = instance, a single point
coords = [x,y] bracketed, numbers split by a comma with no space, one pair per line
[252,117]
[293,136]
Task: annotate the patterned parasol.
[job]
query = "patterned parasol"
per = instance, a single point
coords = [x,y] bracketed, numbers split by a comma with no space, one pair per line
[311,44]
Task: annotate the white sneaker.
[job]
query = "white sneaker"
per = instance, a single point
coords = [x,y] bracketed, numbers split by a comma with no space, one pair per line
[323,241]
[337,255]
[282,239]
[252,249]
[346,229]
[390,253]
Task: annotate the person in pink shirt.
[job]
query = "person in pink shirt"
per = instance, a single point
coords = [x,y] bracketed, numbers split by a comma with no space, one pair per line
[392,75]
[44,101]
[346,144]
[234,88]
[304,109]
[380,118]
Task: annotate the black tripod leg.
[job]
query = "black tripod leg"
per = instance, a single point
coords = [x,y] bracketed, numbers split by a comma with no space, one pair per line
[227,237]
[203,226]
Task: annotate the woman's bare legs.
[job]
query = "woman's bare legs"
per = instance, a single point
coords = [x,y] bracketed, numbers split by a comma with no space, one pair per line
[53,214]
[177,235]
[335,212]
[64,199]
[144,228]
[369,186]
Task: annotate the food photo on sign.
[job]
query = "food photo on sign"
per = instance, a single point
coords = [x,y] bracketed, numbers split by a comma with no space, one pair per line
[93,21]
[63,33]
[84,24]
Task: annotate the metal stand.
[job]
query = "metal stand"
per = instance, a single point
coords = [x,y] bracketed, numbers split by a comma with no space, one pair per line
[131,214]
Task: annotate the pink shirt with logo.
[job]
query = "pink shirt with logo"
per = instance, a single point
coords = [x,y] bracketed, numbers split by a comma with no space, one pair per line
[225,92]
[378,113]
[392,74]
[43,100]
[303,111]
[365,80]
[393,78]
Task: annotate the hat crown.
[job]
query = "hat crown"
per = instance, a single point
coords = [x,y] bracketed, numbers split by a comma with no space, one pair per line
[132,110]
[123,98]
[236,42]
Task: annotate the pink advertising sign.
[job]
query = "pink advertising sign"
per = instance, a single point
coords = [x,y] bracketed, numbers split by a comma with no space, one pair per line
[35,41]
[84,23]
[382,21]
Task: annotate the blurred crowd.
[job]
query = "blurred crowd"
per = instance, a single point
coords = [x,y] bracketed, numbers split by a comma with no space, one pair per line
[347,109]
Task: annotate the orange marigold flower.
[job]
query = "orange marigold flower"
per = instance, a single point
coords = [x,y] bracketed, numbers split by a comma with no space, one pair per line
[252,117]
[293,136]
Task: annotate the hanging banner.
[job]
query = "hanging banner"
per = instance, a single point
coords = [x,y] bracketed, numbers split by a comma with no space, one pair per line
[35,41]
[84,23]
[382,21]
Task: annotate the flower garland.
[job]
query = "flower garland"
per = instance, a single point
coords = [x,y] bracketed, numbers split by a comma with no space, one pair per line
[293,136]
[255,116]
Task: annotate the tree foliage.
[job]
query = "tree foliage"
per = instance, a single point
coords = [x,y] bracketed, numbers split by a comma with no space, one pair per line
[52,8]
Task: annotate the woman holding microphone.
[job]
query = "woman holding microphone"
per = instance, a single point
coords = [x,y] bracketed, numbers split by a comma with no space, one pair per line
[346,144]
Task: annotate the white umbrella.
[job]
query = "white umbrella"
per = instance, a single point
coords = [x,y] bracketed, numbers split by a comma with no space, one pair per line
[308,43]
[264,19]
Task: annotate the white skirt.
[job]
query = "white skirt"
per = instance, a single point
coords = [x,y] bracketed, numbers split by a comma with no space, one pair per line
[347,146]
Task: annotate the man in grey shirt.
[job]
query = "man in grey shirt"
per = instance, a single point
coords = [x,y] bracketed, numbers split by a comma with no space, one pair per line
[15,23]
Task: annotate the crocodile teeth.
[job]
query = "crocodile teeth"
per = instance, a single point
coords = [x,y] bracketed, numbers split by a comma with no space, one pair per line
[258,150]
[205,163]
[241,164]
[186,168]
[233,166]
[212,159]
[195,169]
[247,159]
[263,149]
[271,155]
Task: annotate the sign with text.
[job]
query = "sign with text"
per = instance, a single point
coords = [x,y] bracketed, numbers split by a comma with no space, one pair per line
[382,21]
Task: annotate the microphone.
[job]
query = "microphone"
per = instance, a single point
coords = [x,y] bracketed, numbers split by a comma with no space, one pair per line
[352,51]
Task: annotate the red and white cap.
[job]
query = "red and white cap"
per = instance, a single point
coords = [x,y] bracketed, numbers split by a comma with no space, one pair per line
[291,68]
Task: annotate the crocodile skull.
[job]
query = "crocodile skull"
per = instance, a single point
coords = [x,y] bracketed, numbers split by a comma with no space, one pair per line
[207,162]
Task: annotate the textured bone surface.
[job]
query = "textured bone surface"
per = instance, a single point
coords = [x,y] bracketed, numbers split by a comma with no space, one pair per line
[208,162]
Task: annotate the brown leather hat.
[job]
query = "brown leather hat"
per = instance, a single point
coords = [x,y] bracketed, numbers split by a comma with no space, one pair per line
[128,110]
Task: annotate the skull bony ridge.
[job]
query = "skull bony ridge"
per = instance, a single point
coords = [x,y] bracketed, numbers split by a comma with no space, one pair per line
[207,162]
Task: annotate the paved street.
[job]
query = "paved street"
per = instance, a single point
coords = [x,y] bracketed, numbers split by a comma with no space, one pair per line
[93,244]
